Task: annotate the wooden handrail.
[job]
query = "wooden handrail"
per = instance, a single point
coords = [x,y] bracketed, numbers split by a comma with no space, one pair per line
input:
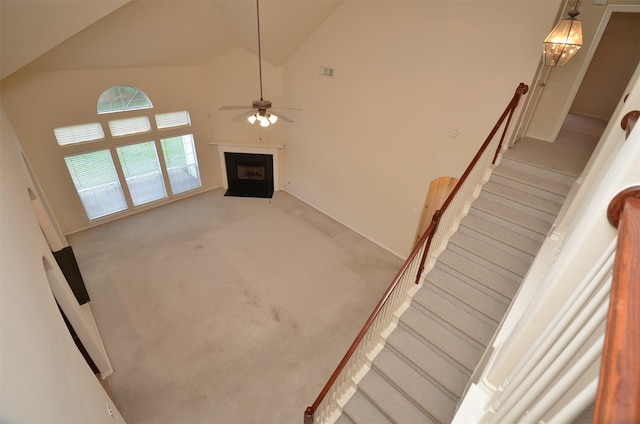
[508,113]
[310,411]
[618,398]
[425,241]
[629,121]
[429,232]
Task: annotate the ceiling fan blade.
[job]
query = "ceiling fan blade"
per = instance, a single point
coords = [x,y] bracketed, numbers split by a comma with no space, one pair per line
[243,116]
[284,108]
[234,107]
[281,116]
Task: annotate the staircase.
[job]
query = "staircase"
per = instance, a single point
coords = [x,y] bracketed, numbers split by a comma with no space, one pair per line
[420,374]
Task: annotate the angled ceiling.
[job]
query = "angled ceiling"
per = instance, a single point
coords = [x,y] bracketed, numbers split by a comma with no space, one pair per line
[68,34]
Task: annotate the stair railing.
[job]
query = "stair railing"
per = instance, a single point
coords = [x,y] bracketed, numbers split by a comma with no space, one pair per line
[618,398]
[467,184]
[341,385]
[557,377]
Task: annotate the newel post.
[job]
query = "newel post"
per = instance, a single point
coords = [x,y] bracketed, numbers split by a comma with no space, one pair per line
[308,416]
[619,385]
[520,91]
[431,230]
[629,121]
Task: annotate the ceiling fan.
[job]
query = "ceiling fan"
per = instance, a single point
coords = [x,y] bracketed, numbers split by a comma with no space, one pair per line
[260,110]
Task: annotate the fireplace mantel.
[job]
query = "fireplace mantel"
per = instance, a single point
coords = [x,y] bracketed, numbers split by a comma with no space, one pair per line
[274,150]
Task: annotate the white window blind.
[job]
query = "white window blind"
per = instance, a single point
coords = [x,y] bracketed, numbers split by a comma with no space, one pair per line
[182,164]
[142,172]
[172,119]
[128,126]
[78,133]
[96,181]
[100,180]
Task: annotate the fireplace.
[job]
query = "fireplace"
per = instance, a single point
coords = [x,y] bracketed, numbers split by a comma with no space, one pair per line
[249,174]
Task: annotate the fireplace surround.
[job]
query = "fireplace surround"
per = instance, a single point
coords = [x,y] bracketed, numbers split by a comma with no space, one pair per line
[273,151]
[249,174]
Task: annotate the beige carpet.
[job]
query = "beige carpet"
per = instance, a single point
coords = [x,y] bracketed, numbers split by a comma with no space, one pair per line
[572,149]
[227,310]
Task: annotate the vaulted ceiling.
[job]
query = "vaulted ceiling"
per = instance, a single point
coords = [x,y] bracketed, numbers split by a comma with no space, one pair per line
[71,34]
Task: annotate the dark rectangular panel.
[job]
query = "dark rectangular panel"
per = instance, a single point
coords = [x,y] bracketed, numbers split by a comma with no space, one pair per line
[69,267]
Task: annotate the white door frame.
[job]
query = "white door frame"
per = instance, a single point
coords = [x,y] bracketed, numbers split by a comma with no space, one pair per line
[626,8]
[543,73]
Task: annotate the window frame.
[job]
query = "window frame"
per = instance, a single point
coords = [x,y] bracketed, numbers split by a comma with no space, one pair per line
[116,168]
[112,143]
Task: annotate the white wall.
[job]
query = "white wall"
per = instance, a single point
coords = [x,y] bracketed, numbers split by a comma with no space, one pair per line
[44,378]
[613,63]
[406,73]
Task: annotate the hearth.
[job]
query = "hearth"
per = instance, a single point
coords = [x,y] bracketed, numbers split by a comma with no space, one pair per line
[249,174]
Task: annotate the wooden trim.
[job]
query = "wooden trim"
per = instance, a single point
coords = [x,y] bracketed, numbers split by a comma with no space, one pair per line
[439,190]
[618,398]
[614,211]
[629,121]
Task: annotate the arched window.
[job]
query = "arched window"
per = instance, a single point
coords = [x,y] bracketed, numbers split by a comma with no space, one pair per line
[122,97]
[117,170]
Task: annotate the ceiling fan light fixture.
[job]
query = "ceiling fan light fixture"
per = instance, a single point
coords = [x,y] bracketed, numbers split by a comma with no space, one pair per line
[259,109]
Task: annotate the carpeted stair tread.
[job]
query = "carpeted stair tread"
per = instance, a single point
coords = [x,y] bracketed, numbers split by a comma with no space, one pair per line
[428,358]
[434,364]
[360,410]
[501,262]
[516,204]
[533,181]
[497,286]
[515,227]
[530,168]
[446,338]
[513,179]
[520,218]
[498,281]
[524,198]
[428,288]
[496,244]
[413,384]
[344,419]
[387,398]
[468,291]
[501,234]
[470,322]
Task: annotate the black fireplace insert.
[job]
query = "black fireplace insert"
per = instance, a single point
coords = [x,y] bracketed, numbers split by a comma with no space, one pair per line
[249,174]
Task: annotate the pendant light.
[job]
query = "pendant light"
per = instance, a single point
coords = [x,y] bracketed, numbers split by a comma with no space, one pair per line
[565,40]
